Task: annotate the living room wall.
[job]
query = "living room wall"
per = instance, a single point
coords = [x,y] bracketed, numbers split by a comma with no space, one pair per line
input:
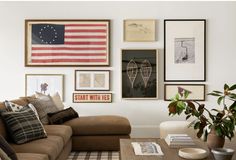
[144,115]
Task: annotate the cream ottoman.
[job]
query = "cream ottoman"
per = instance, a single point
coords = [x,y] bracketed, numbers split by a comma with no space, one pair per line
[176,127]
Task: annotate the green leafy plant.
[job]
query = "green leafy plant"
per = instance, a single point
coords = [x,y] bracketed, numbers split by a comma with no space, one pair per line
[222,120]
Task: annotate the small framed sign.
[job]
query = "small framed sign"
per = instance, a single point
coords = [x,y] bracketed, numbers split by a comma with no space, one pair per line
[197,91]
[92,97]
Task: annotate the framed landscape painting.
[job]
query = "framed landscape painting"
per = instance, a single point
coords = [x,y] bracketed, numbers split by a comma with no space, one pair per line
[92,80]
[184,50]
[139,73]
[67,42]
[139,30]
[44,83]
[196,91]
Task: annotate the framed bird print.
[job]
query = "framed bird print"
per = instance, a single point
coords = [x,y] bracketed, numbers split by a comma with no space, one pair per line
[196,91]
[139,74]
[67,43]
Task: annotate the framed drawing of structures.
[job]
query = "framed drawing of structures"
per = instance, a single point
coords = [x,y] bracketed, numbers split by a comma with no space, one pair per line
[92,80]
[185,50]
[139,73]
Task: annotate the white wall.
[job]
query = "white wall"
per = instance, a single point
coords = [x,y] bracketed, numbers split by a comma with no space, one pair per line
[144,115]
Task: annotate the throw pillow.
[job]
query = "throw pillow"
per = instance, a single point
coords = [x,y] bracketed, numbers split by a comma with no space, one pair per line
[55,97]
[3,155]
[12,107]
[7,149]
[44,105]
[62,116]
[23,126]
[57,100]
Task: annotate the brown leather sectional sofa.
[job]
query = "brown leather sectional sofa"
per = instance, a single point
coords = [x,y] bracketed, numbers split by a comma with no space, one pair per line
[83,133]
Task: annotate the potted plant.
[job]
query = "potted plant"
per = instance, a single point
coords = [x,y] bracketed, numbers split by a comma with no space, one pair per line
[212,125]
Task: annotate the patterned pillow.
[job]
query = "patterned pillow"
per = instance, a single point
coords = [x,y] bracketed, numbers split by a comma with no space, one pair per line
[55,97]
[62,116]
[3,155]
[6,148]
[23,126]
[44,105]
[12,107]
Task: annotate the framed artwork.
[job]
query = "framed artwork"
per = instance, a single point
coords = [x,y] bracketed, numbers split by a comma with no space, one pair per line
[139,30]
[67,43]
[92,97]
[184,50]
[44,83]
[92,80]
[139,73]
[197,91]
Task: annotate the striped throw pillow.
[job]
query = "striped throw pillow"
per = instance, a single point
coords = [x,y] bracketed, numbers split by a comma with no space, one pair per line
[23,126]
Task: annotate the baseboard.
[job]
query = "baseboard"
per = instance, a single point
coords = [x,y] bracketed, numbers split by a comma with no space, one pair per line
[142,131]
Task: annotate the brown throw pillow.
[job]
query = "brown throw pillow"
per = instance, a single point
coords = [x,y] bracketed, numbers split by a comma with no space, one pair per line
[62,116]
[44,105]
[7,148]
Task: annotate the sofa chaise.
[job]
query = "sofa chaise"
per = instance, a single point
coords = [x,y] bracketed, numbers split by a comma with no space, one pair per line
[83,133]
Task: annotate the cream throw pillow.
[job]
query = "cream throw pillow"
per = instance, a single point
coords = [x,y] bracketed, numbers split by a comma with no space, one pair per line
[55,98]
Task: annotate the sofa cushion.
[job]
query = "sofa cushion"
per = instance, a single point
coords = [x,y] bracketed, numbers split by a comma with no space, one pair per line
[99,125]
[51,146]
[59,130]
[23,126]
[7,148]
[62,116]
[31,156]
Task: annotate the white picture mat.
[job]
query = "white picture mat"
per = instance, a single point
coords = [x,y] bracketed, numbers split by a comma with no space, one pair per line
[92,80]
[185,29]
[197,91]
[55,84]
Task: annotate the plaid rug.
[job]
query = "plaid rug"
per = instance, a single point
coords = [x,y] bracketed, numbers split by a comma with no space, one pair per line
[103,155]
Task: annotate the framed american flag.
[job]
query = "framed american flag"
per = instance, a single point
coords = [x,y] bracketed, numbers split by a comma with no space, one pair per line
[67,42]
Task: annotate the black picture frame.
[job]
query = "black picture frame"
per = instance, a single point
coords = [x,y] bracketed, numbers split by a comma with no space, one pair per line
[139,74]
[177,66]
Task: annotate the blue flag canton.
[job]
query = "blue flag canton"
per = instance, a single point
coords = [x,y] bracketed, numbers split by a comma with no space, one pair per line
[48,34]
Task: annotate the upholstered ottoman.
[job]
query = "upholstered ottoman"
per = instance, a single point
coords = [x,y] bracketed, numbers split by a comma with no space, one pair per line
[98,132]
[176,127]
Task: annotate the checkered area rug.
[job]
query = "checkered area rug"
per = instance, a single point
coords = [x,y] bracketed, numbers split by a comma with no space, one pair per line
[102,155]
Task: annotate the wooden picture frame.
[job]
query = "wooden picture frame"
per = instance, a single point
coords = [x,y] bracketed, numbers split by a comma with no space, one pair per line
[197,91]
[184,50]
[92,97]
[47,84]
[92,80]
[139,30]
[69,42]
[139,74]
